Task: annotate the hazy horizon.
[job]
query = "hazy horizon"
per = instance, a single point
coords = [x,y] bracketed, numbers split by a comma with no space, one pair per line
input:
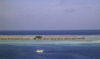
[50,15]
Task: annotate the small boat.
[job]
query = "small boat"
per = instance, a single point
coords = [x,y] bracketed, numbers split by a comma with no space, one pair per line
[39,51]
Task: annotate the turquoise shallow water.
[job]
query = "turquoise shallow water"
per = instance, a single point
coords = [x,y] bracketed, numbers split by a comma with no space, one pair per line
[90,39]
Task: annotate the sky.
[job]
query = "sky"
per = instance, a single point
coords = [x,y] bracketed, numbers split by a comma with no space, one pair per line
[49,14]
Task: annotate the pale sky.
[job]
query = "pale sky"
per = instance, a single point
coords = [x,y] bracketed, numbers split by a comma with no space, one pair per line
[49,14]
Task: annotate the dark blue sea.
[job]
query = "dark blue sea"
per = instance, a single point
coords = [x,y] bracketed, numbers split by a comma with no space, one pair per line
[51,51]
[51,32]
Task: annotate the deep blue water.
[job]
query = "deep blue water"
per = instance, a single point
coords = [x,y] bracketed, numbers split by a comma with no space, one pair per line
[52,32]
[50,52]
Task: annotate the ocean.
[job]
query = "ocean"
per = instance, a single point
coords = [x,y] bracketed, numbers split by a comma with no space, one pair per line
[51,32]
[51,51]
[27,49]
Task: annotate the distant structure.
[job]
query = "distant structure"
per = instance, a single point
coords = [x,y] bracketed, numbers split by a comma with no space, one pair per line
[47,34]
[41,37]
